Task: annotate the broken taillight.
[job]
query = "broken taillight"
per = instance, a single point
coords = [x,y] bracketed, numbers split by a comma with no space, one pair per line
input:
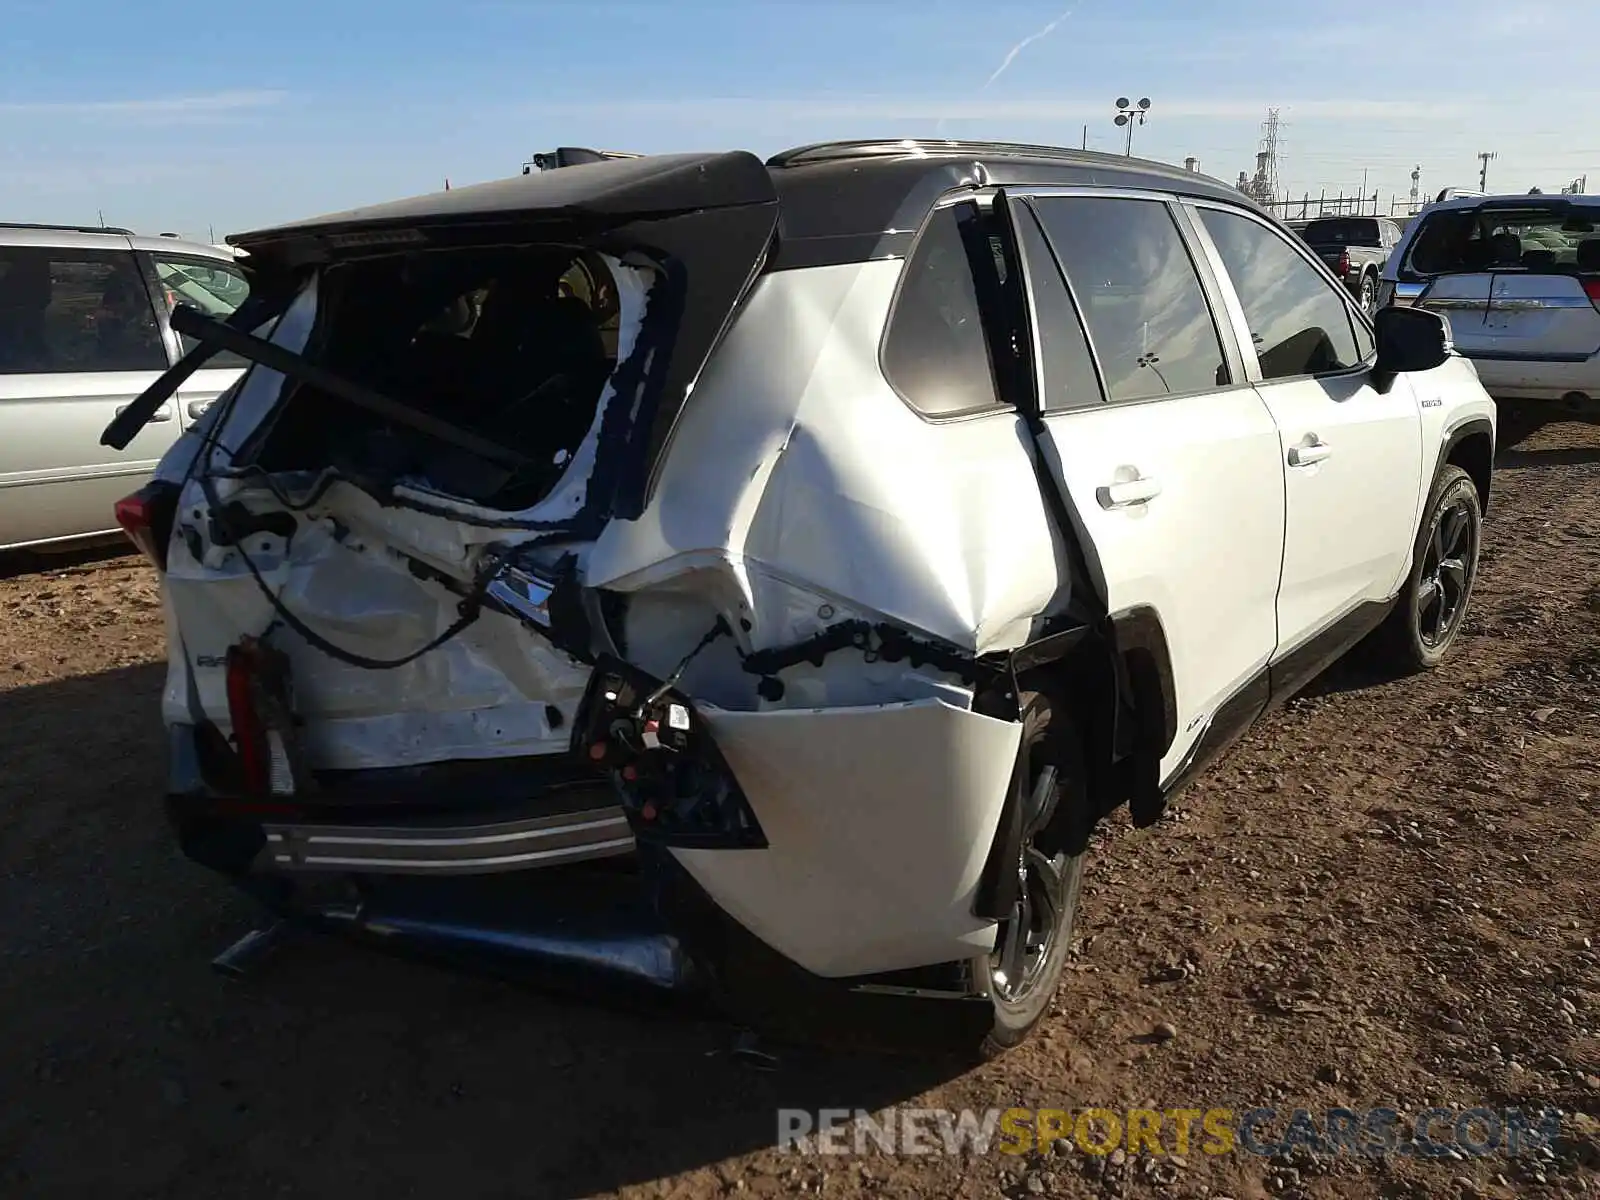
[676,788]
[146,517]
[249,738]
[260,709]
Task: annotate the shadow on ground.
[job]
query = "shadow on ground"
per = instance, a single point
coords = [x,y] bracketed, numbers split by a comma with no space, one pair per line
[29,562]
[1559,457]
[334,1071]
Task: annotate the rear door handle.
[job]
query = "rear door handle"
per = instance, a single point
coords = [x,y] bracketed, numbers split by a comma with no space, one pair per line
[164,413]
[1127,493]
[1308,456]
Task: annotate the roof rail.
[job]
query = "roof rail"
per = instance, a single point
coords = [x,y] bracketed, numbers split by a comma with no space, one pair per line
[572,156]
[888,148]
[68,228]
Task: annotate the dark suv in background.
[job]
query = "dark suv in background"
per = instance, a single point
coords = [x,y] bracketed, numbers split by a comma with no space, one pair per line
[1355,249]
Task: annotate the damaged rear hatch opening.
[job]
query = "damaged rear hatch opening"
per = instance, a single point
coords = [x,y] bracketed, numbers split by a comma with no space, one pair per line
[399,495]
[438,615]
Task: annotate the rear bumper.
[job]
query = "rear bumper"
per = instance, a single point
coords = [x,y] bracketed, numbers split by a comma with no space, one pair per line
[561,899]
[534,841]
[458,819]
[878,823]
[1536,379]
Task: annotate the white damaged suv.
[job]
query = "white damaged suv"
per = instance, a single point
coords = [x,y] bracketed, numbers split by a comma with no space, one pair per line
[760,576]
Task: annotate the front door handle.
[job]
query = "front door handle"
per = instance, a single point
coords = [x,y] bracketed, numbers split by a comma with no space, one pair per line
[197,408]
[1309,455]
[1127,493]
[164,413]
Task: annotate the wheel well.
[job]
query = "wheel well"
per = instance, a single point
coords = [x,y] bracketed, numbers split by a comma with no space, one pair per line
[1474,454]
[1116,687]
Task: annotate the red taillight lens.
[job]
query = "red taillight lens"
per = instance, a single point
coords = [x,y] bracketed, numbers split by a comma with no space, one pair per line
[1591,288]
[146,517]
[260,708]
[249,732]
[1344,262]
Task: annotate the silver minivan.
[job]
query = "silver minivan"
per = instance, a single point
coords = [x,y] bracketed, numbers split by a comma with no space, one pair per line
[84,328]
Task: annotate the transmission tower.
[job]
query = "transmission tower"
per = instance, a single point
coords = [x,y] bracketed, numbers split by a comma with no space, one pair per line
[1264,186]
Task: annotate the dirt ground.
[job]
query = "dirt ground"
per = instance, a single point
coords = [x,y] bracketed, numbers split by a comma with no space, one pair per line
[1385,896]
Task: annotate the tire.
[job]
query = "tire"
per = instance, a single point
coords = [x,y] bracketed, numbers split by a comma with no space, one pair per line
[1048,744]
[1369,294]
[1418,634]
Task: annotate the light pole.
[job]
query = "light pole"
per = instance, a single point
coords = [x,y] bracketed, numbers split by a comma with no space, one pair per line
[1485,157]
[1130,116]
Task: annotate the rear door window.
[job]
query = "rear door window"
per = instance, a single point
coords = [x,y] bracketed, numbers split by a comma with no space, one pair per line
[1299,322]
[64,311]
[936,352]
[1141,298]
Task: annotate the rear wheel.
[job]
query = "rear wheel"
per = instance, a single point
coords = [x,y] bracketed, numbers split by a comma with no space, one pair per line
[1369,294]
[1032,944]
[1432,607]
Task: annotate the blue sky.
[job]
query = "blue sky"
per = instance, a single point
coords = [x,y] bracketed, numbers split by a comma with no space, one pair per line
[187,116]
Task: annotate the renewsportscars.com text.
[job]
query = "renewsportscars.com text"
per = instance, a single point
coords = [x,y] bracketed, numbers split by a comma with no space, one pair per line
[1371,1132]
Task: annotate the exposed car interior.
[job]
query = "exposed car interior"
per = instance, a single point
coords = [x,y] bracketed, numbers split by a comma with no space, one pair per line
[514,347]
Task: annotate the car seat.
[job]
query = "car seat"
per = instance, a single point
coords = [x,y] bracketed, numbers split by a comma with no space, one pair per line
[1505,250]
[126,338]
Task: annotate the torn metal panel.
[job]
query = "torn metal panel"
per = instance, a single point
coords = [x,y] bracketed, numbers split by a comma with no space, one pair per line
[878,820]
[485,693]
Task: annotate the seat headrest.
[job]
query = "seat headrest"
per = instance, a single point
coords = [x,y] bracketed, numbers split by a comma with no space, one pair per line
[1505,248]
[1589,254]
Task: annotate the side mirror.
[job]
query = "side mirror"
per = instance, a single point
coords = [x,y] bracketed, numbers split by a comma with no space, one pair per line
[1410,339]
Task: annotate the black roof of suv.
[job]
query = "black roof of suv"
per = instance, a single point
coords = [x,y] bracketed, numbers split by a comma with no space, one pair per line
[838,201]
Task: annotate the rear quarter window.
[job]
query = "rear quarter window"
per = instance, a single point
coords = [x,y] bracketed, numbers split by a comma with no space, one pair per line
[935,351]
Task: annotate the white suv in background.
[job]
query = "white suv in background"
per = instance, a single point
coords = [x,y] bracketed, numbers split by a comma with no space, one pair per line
[84,328]
[1519,278]
[813,549]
